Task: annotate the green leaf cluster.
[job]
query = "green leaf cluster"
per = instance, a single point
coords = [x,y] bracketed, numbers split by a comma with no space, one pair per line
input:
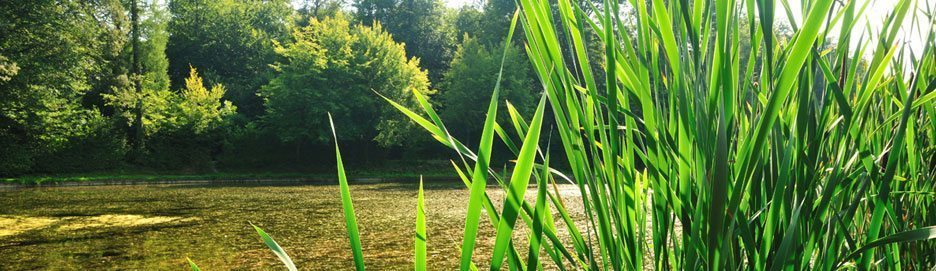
[48,52]
[333,65]
[231,42]
[475,68]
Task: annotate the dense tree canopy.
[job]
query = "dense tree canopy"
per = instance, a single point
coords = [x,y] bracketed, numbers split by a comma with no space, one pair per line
[78,76]
[230,41]
[468,84]
[319,9]
[419,24]
[50,50]
[194,107]
[333,66]
[467,20]
[153,80]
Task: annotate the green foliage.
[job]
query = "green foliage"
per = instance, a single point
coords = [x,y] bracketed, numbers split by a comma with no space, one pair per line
[201,108]
[496,20]
[8,69]
[88,75]
[319,9]
[154,93]
[101,147]
[49,50]
[195,107]
[155,36]
[332,66]
[486,23]
[467,20]
[115,53]
[419,24]
[182,129]
[230,41]
[474,70]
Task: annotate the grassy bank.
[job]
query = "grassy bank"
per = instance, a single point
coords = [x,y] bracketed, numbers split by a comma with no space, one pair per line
[383,172]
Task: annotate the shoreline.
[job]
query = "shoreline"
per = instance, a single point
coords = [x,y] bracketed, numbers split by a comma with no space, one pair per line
[263,179]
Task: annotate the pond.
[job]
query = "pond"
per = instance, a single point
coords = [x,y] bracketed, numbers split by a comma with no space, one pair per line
[156,227]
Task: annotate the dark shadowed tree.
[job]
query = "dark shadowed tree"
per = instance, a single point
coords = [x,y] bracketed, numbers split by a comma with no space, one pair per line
[467,20]
[468,86]
[495,21]
[319,9]
[231,42]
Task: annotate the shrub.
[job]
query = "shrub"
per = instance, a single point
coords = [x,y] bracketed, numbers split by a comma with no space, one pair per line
[103,147]
[182,130]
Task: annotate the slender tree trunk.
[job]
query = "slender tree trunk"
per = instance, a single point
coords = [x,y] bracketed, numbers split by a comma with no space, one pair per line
[136,71]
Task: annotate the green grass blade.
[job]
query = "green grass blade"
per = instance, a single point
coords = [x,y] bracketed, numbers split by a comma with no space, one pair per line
[478,185]
[415,117]
[280,253]
[922,234]
[519,181]
[789,240]
[350,220]
[540,213]
[881,202]
[420,258]
[192,265]
[479,176]
[788,76]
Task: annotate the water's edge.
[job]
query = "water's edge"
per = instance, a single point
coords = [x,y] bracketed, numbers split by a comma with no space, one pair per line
[248,181]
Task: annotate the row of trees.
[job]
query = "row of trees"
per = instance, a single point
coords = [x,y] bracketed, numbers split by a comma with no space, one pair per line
[96,84]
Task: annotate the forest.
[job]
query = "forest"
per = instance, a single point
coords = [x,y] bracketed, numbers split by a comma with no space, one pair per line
[201,86]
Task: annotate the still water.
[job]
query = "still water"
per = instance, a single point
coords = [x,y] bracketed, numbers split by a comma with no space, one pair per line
[156,227]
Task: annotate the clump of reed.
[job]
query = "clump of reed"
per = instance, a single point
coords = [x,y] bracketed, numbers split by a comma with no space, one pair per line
[807,155]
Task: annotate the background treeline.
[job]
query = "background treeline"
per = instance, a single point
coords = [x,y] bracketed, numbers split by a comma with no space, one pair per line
[200,85]
[244,85]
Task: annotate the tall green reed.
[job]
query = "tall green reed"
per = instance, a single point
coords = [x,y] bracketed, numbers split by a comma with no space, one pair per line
[807,156]
[803,157]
